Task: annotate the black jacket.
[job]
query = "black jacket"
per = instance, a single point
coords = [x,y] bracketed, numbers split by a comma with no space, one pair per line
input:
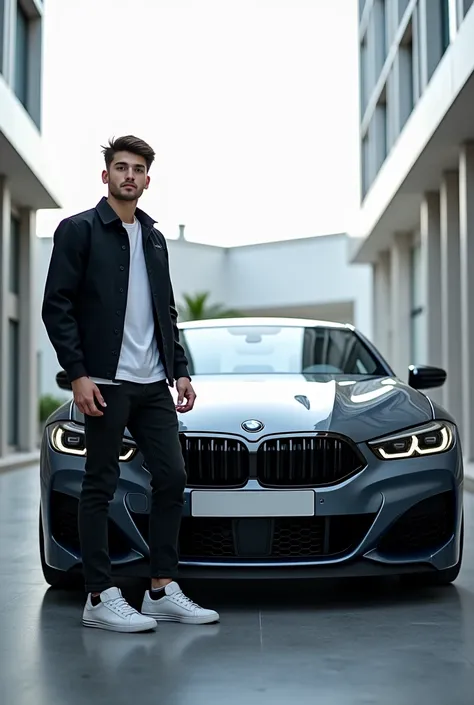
[86,292]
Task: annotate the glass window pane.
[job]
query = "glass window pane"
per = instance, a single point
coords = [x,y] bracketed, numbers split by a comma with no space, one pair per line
[13,382]
[21,55]
[2,30]
[467,6]
[444,24]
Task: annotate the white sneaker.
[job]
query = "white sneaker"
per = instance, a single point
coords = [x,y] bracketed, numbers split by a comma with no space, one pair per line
[176,607]
[115,614]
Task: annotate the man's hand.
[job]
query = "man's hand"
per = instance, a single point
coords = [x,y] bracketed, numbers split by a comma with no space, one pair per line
[185,391]
[86,392]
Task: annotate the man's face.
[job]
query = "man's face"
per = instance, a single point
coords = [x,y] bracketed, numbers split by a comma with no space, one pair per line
[126,177]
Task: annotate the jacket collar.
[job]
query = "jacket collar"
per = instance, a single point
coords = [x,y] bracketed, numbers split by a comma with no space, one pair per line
[108,215]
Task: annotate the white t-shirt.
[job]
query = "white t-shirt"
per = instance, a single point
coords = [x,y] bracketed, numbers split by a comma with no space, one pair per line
[139,359]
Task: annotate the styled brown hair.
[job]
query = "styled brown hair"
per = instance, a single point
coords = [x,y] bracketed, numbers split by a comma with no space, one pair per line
[128,143]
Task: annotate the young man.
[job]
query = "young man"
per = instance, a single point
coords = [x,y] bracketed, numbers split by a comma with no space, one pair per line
[110,314]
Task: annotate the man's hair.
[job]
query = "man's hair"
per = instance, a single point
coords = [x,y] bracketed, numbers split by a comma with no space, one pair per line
[128,143]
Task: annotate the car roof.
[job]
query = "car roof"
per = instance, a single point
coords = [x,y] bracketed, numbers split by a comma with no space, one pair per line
[263,321]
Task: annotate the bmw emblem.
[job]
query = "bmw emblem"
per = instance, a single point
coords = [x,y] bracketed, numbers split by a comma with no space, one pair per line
[253,426]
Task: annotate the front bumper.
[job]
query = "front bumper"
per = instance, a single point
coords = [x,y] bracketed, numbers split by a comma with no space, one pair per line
[393,517]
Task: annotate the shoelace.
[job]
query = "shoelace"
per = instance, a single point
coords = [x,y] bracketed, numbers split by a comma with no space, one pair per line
[185,601]
[121,606]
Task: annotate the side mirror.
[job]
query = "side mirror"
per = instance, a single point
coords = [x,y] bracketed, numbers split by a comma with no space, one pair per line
[426,377]
[62,381]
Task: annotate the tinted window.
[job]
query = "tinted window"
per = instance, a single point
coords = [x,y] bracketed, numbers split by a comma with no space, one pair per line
[21,55]
[277,350]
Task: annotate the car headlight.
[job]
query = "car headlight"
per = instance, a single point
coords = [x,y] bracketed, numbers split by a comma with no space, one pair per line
[436,437]
[70,439]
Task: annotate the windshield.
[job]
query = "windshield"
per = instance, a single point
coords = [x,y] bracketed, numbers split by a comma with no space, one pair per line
[277,350]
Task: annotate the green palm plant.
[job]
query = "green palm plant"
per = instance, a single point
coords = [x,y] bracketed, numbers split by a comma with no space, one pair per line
[197,308]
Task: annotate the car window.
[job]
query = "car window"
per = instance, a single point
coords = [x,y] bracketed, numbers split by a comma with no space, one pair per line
[277,350]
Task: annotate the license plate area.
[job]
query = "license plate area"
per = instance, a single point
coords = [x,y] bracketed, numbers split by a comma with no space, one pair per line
[253,503]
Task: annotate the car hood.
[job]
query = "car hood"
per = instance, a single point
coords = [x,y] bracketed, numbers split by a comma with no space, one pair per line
[361,409]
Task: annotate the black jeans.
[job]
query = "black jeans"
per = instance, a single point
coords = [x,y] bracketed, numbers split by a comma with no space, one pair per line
[149,413]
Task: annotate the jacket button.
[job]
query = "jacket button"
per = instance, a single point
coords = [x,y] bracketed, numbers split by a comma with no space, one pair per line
[114,353]
[124,247]
[116,331]
[121,290]
[117,313]
[122,268]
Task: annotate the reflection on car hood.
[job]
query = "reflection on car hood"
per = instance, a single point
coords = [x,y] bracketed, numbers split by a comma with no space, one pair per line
[361,409]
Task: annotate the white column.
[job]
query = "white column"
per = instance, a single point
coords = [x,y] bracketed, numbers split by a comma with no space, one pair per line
[431,255]
[451,294]
[28,399]
[431,258]
[399,357]
[5,206]
[382,304]
[466,233]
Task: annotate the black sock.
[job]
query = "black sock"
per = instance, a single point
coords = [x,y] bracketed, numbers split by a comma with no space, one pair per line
[95,599]
[157,593]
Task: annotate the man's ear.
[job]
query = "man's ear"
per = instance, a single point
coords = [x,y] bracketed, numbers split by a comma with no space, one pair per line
[105,177]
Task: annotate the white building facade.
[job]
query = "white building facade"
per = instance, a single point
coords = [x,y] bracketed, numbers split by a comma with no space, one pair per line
[416,221]
[309,278]
[24,189]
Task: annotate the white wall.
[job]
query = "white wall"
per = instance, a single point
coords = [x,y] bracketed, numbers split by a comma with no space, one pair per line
[299,273]
[308,277]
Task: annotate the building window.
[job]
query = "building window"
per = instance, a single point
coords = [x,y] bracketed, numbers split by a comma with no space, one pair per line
[21,55]
[406,76]
[15,256]
[2,32]
[379,134]
[466,6]
[13,383]
[364,77]
[381,35]
[382,131]
[444,25]
[417,308]
[402,6]
[365,159]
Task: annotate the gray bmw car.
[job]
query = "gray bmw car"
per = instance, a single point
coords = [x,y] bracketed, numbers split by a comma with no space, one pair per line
[305,457]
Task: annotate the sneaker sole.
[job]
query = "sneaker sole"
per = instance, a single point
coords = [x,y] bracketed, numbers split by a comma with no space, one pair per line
[129,629]
[182,620]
